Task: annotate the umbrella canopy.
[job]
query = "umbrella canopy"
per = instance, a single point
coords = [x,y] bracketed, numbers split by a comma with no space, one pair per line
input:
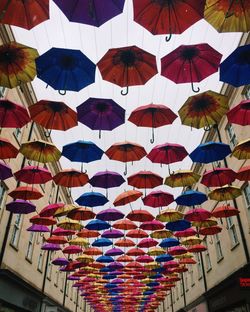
[157,199]
[94,13]
[33,175]
[127,66]
[140,215]
[161,17]
[169,215]
[53,115]
[110,214]
[211,230]
[218,177]
[20,206]
[137,233]
[62,232]
[71,178]
[60,261]
[125,242]
[203,110]
[185,233]
[97,225]
[152,225]
[182,178]
[5,171]
[190,63]
[65,69]
[224,16]
[169,242]
[235,68]
[43,220]
[25,14]
[159,234]
[225,193]
[210,152]
[243,174]
[242,150]
[101,114]
[81,214]
[225,211]
[26,193]
[147,243]
[101,242]
[124,224]
[92,199]
[240,114]
[107,179]
[127,197]
[114,252]
[179,225]
[68,224]
[153,116]
[64,210]
[112,233]
[85,233]
[197,214]
[7,149]
[12,115]
[191,198]
[40,151]
[145,179]
[205,223]
[17,64]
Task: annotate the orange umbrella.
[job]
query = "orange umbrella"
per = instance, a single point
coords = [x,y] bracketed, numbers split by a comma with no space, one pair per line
[145,179]
[124,224]
[26,193]
[7,149]
[225,212]
[197,248]
[85,233]
[57,240]
[43,220]
[81,213]
[93,251]
[127,197]
[140,215]
[138,233]
[211,230]
[124,242]
[242,150]
[71,178]
[125,258]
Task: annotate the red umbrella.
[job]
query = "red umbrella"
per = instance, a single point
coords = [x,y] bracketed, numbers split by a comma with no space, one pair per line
[243,174]
[197,214]
[152,225]
[125,258]
[240,114]
[145,179]
[185,233]
[49,210]
[190,63]
[124,242]
[7,150]
[211,230]
[144,259]
[43,220]
[33,175]
[218,177]
[124,224]
[187,261]
[153,116]
[72,249]
[225,212]
[125,152]
[177,250]
[71,178]
[140,215]
[197,248]
[62,232]
[135,252]
[57,240]
[138,233]
[127,66]
[147,243]
[26,193]
[157,199]
[81,213]
[85,233]
[127,197]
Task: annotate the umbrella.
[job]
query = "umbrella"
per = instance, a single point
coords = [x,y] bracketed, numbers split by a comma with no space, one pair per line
[185,233]
[60,261]
[190,63]
[33,175]
[57,240]
[50,247]
[105,259]
[191,198]
[144,259]
[197,214]
[145,179]
[62,232]
[81,214]
[40,151]
[160,17]
[124,224]
[152,225]
[178,225]
[242,150]
[92,251]
[210,152]
[97,225]
[26,193]
[65,69]
[225,212]
[25,14]
[147,243]
[92,199]
[156,251]
[125,152]
[169,215]
[157,199]
[85,233]
[92,12]
[106,179]
[5,171]
[124,242]
[177,250]
[7,149]
[127,66]
[197,248]
[125,258]
[12,115]
[64,210]
[152,115]
[218,177]
[70,250]
[137,233]
[101,114]
[205,223]
[211,230]
[169,242]
[17,64]
[82,151]
[112,233]
[53,115]
[79,241]
[135,252]
[114,252]
[225,193]
[101,242]
[127,197]
[182,178]
[68,224]
[42,220]
[203,110]
[71,178]
[159,234]
[235,68]
[140,215]
[110,214]
[240,114]
[228,16]
[243,174]
[20,206]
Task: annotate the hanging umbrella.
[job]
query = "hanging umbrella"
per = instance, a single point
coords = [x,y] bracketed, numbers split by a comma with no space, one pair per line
[242,150]
[169,215]
[147,243]
[127,66]
[25,14]
[178,225]
[210,152]
[125,152]
[81,214]
[112,233]
[197,248]
[71,178]
[5,171]
[225,193]
[240,114]
[110,214]
[124,242]
[50,247]
[169,242]
[177,250]
[20,206]
[152,225]
[60,240]
[68,224]
[127,197]
[135,252]
[105,259]
[125,258]
[235,68]
[53,115]
[203,110]
[92,199]
[137,233]
[185,233]
[62,232]
[243,174]
[85,233]
[60,261]
[79,241]
[124,224]
[211,230]
[156,251]
[191,198]
[40,151]
[71,250]
[197,214]
[92,12]
[42,220]
[225,211]
[92,251]
[114,252]
[182,178]
[17,64]
[33,175]
[228,16]
[64,210]
[145,179]
[7,149]
[12,115]
[153,116]
[97,225]
[159,234]
[140,215]
[190,63]
[160,17]
[101,114]
[26,193]
[65,69]
[205,223]
[218,177]
[157,199]
[102,242]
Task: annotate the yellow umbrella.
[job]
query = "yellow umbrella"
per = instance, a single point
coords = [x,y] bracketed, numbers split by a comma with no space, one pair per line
[182,178]
[205,223]
[68,224]
[191,240]
[158,234]
[242,150]
[79,241]
[169,215]
[156,251]
[63,211]
[152,265]
[225,193]
[85,259]
[186,255]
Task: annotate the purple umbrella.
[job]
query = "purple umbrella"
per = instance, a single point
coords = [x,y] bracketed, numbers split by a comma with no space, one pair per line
[110,214]
[112,234]
[38,228]
[5,171]
[114,252]
[60,261]
[115,265]
[73,278]
[20,206]
[90,12]
[50,247]
[101,114]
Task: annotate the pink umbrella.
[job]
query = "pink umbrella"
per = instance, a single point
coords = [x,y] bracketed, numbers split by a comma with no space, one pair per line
[147,243]
[177,250]
[197,248]
[152,225]
[185,233]
[72,249]
[62,232]
[197,214]
[144,259]
[211,230]
[49,210]
[157,199]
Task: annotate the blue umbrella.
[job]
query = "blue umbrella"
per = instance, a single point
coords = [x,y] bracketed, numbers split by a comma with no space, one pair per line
[191,198]
[169,242]
[97,225]
[236,67]
[179,225]
[164,258]
[109,276]
[101,242]
[104,259]
[210,152]
[92,199]
[82,151]
[153,284]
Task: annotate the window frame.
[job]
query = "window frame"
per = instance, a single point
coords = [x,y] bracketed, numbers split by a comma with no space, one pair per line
[40,261]
[207,258]
[231,135]
[30,248]
[199,266]
[218,248]
[232,232]
[246,195]
[17,227]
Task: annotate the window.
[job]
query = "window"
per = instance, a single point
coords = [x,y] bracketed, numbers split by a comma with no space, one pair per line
[3,190]
[181,287]
[29,252]
[207,258]
[246,193]
[71,293]
[67,289]
[186,281]
[177,292]
[18,134]
[57,278]
[231,135]
[218,248]
[199,268]
[16,231]
[2,91]
[247,92]
[191,272]
[52,192]
[49,271]
[232,231]
[62,282]
[40,261]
